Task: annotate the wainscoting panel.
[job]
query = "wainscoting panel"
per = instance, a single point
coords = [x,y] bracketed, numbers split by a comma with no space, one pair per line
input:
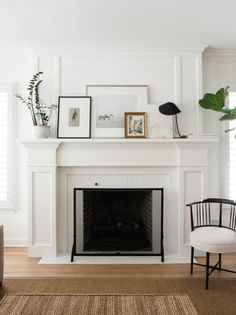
[189,94]
[194,184]
[42,215]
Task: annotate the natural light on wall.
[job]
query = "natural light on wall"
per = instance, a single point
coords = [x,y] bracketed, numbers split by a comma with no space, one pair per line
[7,148]
[232,151]
[4,147]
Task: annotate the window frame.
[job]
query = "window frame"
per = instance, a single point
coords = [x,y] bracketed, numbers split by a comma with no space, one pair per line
[225,164]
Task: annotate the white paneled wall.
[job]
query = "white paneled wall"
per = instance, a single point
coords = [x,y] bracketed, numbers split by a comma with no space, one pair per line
[172,73]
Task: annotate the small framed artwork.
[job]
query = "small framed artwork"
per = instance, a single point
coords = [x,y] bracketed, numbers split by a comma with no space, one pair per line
[136,125]
[74,117]
[110,102]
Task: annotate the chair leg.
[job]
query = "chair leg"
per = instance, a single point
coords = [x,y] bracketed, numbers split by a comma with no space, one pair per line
[219,262]
[192,255]
[207,269]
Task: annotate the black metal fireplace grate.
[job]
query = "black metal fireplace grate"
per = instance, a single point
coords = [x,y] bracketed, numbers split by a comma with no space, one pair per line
[116,222]
[115,231]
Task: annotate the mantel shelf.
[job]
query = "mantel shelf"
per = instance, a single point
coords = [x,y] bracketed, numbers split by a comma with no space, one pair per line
[118,152]
[205,139]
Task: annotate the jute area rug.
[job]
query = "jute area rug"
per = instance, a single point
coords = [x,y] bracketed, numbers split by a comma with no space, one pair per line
[220,299]
[39,304]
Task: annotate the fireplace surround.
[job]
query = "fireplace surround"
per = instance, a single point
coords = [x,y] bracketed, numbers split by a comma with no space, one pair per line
[118,221]
[57,166]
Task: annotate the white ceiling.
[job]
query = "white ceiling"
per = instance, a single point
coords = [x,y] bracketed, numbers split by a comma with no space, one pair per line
[211,22]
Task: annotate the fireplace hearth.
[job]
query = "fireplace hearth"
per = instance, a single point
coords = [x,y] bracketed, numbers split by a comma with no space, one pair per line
[118,222]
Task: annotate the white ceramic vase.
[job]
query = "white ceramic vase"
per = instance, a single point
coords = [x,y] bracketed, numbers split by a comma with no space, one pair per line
[41,131]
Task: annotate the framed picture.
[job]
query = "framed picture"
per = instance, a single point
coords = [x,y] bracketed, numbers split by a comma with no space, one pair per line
[110,102]
[136,125]
[74,117]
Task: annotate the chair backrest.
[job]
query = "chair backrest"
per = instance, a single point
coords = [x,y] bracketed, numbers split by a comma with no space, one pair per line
[213,212]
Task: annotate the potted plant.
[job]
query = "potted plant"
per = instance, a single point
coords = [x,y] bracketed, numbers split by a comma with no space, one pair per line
[40,112]
[217,102]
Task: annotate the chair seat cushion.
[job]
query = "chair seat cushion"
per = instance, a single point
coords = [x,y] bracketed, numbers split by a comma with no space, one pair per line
[213,239]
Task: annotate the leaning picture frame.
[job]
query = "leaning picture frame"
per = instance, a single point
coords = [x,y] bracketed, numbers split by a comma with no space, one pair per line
[109,103]
[136,125]
[74,117]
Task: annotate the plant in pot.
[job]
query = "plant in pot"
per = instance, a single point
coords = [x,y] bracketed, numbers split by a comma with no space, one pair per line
[40,112]
[217,102]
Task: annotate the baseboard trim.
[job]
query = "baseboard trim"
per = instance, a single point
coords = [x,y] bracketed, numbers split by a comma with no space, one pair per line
[15,242]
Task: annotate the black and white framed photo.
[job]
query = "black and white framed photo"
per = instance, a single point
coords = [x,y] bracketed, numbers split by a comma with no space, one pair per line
[136,125]
[110,102]
[74,117]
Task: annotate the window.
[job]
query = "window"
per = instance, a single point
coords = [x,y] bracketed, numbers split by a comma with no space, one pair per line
[6,148]
[232,152]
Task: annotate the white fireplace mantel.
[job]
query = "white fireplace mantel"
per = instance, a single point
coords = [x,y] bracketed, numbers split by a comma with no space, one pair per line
[118,152]
[179,164]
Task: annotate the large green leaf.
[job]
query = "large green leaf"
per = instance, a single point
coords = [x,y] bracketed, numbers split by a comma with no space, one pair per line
[209,101]
[220,97]
[215,101]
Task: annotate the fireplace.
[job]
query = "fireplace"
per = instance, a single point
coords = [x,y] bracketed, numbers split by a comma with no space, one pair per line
[118,222]
[57,166]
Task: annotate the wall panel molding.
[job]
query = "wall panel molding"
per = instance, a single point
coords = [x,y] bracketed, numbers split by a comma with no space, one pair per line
[172,72]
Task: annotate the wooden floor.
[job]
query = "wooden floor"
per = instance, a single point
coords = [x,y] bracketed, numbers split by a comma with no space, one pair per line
[17,264]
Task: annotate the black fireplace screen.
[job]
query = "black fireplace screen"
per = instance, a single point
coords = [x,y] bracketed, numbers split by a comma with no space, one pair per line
[118,221]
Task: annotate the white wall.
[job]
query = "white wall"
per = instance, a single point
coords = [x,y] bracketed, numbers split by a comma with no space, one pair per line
[172,74]
[15,68]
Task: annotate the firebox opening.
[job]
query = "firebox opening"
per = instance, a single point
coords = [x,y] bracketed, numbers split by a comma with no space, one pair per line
[117,220]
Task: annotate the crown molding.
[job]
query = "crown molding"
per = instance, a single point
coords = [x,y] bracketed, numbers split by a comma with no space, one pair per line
[19,52]
[220,52]
[122,49]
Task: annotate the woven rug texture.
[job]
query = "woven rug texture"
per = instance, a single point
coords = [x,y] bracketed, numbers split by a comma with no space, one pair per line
[218,300]
[96,304]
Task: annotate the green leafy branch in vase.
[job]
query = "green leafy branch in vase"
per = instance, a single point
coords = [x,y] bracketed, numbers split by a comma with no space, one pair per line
[217,102]
[40,112]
